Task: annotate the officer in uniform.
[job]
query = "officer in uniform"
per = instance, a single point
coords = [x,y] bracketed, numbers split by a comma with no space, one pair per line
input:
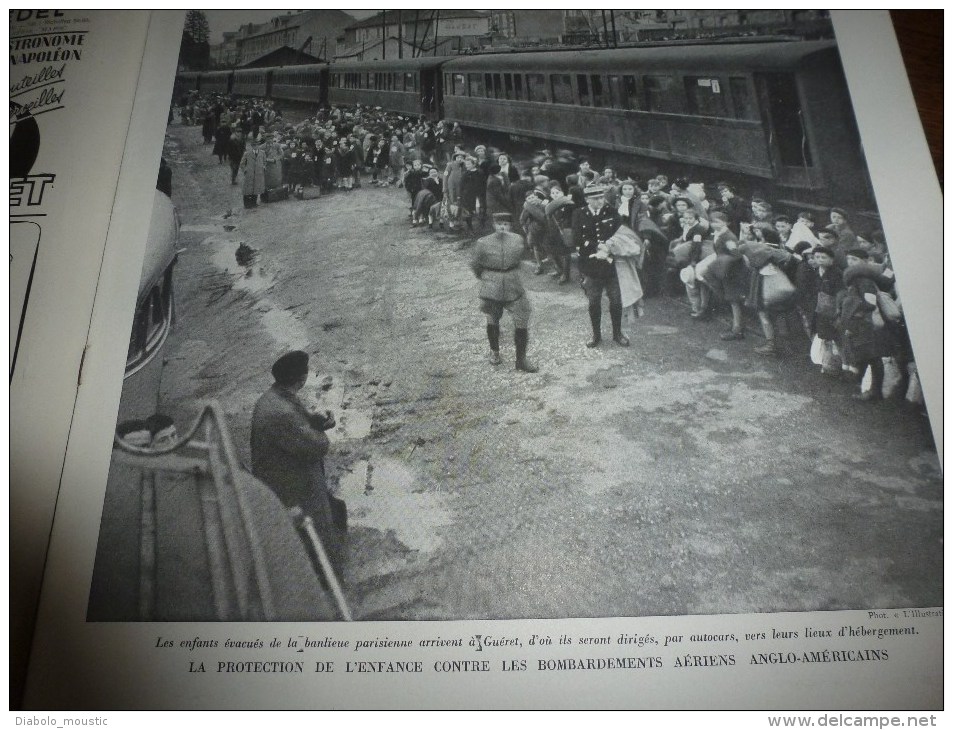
[496,262]
[592,226]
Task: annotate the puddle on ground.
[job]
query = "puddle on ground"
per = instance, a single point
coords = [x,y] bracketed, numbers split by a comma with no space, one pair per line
[253,279]
[380,495]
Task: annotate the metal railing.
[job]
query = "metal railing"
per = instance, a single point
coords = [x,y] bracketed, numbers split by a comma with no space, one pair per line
[240,587]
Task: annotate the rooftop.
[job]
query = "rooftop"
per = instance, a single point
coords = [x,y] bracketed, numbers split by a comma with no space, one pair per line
[390,17]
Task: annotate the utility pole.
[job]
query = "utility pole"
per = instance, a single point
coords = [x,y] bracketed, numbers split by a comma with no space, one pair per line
[400,35]
[436,30]
[383,35]
[423,41]
[605,28]
[615,35]
[413,53]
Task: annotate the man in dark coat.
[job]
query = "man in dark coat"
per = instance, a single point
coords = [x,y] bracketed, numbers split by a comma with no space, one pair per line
[496,262]
[288,446]
[235,147]
[497,191]
[592,226]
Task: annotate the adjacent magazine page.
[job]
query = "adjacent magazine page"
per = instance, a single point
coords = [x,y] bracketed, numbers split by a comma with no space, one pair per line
[74,76]
[506,359]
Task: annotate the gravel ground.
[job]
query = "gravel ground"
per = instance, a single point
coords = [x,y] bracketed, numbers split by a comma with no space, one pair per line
[682,475]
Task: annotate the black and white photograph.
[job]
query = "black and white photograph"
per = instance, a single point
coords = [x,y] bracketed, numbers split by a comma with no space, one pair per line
[516,314]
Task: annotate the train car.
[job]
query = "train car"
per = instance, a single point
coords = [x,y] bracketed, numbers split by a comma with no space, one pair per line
[773,110]
[410,86]
[216,82]
[185,82]
[306,83]
[251,82]
[155,307]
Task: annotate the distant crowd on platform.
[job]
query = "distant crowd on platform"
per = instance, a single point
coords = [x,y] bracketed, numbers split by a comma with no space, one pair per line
[811,281]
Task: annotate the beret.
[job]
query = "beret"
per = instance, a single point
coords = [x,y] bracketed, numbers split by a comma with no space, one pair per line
[290,367]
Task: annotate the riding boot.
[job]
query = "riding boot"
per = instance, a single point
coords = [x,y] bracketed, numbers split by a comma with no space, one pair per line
[595,319]
[564,263]
[493,335]
[615,314]
[521,337]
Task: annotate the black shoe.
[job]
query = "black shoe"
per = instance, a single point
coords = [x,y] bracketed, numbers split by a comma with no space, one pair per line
[527,366]
[731,336]
[594,342]
[621,340]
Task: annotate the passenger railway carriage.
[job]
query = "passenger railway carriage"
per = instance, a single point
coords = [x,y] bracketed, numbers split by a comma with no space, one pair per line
[774,111]
[410,86]
[251,82]
[185,82]
[216,82]
[300,83]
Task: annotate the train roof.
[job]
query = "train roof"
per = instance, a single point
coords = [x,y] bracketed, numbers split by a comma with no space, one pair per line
[300,67]
[748,56]
[402,64]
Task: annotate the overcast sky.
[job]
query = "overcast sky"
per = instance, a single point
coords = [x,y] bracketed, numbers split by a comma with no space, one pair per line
[220,21]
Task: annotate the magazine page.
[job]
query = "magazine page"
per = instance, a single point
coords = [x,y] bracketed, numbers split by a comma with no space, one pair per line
[73,78]
[512,359]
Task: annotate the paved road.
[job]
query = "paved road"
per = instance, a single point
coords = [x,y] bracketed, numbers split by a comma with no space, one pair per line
[680,475]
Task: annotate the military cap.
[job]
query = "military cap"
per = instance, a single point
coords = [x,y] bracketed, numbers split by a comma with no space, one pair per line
[592,191]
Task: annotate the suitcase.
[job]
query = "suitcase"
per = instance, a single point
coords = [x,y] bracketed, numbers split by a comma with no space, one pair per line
[274,195]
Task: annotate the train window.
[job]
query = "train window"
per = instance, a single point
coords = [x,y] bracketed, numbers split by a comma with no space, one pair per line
[705,96]
[741,98]
[476,84]
[624,92]
[599,92]
[488,85]
[459,84]
[408,81]
[660,94]
[562,89]
[535,87]
[518,87]
[582,83]
[508,86]
[498,86]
